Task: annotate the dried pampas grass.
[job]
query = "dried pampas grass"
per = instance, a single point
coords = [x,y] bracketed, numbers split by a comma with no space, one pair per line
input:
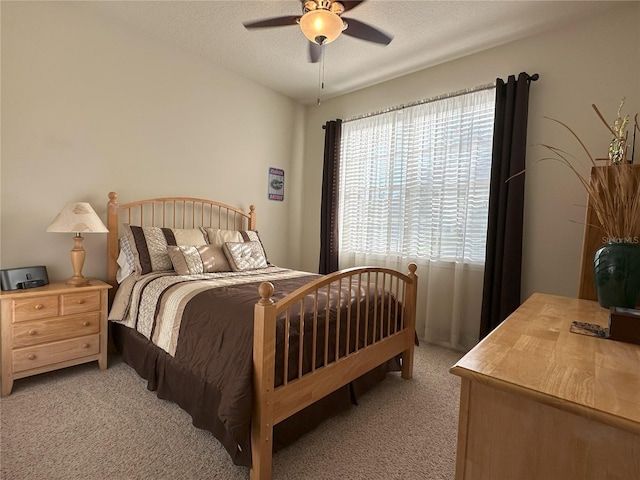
[614,184]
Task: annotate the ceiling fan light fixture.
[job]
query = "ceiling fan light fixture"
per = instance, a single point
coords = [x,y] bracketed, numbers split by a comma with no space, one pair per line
[321,26]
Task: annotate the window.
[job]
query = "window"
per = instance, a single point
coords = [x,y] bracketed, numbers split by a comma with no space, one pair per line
[414,182]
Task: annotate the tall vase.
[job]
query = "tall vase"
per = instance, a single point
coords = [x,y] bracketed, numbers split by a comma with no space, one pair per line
[617,275]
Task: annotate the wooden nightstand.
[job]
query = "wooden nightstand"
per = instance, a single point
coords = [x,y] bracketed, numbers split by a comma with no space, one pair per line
[52,327]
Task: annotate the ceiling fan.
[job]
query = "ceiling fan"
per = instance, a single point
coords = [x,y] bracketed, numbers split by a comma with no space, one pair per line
[322,22]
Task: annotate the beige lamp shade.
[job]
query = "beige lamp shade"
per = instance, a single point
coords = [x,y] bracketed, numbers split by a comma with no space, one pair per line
[78,218]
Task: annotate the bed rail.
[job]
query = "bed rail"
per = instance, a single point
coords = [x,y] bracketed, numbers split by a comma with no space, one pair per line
[378,314]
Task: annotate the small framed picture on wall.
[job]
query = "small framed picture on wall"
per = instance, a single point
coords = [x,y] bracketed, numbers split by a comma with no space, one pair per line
[276,184]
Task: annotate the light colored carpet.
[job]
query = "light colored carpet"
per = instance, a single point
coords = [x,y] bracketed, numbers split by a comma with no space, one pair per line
[81,423]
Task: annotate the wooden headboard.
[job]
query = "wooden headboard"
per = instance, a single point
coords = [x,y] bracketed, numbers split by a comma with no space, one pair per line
[170,212]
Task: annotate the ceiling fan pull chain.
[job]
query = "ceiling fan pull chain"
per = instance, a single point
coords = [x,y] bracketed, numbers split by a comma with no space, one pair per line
[323,63]
[321,73]
[319,81]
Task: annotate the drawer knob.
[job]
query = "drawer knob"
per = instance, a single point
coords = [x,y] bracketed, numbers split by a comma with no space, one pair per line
[39,306]
[32,332]
[81,301]
[32,356]
[85,345]
[85,324]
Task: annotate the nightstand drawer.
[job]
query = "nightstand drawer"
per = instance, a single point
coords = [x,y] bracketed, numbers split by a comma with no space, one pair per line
[51,353]
[51,330]
[79,302]
[34,308]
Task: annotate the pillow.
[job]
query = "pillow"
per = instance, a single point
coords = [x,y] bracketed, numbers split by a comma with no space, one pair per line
[217,236]
[252,236]
[192,260]
[244,255]
[126,261]
[149,245]
[189,236]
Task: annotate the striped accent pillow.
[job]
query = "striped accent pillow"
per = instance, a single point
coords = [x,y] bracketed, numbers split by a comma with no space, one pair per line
[149,245]
[193,260]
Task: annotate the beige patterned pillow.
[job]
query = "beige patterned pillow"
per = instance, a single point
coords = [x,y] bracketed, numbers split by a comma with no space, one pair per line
[244,255]
[217,236]
[126,261]
[192,260]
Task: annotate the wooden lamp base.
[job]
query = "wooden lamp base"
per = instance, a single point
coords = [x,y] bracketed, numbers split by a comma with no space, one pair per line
[77,261]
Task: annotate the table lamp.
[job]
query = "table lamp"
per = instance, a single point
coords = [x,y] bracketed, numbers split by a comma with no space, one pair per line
[77,218]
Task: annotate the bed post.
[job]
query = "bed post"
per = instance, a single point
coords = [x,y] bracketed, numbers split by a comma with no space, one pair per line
[112,239]
[264,338]
[410,322]
[252,217]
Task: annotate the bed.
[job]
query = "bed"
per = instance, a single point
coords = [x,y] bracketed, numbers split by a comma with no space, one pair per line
[255,353]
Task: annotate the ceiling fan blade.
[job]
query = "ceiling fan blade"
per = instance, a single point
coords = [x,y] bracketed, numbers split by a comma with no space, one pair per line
[315,52]
[272,22]
[361,30]
[351,5]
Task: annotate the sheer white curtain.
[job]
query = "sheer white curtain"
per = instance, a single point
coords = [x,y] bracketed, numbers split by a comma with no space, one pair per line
[414,187]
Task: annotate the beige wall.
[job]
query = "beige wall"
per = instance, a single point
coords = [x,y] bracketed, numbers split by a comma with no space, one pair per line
[90,106]
[589,61]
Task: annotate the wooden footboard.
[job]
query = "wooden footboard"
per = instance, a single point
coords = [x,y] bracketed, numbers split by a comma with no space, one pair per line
[363,340]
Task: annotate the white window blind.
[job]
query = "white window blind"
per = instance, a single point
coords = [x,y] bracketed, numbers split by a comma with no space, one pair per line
[414,182]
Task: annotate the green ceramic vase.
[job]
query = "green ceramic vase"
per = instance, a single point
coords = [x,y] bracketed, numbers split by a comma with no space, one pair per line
[617,275]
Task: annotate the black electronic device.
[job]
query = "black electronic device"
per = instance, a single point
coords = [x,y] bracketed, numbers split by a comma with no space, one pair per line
[22,278]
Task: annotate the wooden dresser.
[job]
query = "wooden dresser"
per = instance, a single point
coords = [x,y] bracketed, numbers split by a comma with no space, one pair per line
[540,402]
[52,327]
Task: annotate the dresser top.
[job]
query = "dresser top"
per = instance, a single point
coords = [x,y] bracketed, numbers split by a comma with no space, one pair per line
[534,354]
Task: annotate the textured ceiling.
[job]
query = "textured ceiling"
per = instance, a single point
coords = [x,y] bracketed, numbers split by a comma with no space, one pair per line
[425,33]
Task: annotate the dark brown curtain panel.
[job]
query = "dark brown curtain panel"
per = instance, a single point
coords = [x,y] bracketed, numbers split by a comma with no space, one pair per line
[503,262]
[329,208]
